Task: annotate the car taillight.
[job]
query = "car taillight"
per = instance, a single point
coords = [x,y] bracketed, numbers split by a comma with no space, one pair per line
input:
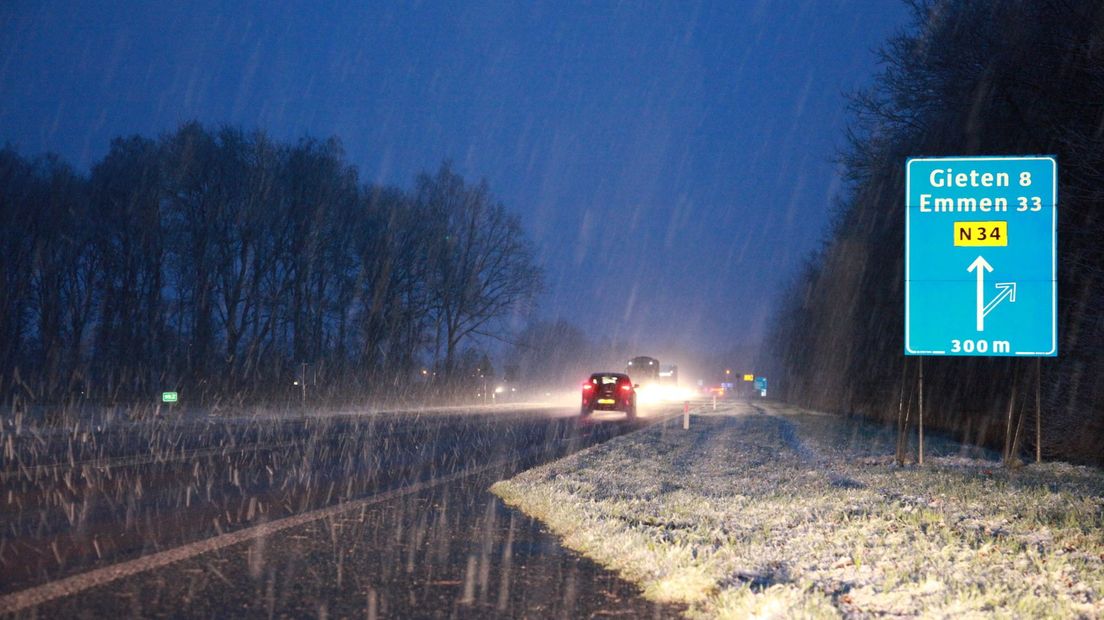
[626,387]
[588,386]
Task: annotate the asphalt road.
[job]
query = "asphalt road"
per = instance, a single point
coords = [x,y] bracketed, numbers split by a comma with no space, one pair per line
[384,516]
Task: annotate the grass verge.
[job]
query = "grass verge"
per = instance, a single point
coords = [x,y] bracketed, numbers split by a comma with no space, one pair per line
[782,513]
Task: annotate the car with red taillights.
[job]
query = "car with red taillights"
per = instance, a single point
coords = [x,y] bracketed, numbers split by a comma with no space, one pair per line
[609,391]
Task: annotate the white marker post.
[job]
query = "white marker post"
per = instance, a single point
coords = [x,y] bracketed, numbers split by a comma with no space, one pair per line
[685,415]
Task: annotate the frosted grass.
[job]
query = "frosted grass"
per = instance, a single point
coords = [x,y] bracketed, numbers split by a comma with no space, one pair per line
[781,513]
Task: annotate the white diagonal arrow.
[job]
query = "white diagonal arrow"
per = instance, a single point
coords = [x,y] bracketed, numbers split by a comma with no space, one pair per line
[1007,290]
[980,265]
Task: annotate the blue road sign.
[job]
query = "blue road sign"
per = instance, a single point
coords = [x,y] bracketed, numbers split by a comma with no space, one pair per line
[760,383]
[981,256]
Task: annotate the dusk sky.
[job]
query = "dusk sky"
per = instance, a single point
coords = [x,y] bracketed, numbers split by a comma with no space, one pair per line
[673,162]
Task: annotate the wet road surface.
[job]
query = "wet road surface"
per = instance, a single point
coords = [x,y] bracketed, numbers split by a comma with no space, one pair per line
[398,523]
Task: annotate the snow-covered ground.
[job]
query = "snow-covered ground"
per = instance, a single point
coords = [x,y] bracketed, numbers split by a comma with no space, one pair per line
[775,512]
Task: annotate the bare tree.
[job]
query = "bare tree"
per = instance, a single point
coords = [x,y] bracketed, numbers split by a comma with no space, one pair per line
[126,194]
[480,265]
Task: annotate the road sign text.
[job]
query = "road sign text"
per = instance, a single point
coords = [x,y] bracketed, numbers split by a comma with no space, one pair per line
[981,233]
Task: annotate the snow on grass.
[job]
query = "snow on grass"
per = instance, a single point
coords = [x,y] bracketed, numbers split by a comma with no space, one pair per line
[774,512]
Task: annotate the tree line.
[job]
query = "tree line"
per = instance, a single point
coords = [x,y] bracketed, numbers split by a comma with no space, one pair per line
[967,77]
[224,263]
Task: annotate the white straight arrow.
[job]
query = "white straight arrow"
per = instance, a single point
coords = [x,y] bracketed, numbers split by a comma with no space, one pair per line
[980,265]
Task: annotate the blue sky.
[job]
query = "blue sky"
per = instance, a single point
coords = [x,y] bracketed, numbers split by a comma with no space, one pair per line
[672,161]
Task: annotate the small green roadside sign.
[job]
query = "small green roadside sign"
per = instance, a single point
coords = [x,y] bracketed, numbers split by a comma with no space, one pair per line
[168,397]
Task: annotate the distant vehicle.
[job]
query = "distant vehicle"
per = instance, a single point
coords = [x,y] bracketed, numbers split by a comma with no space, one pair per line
[669,376]
[609,391]
[644,370]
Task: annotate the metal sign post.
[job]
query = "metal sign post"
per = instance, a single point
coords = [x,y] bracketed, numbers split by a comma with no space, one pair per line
[920,416]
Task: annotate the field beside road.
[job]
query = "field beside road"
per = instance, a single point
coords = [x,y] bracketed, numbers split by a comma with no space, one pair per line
[776,512]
